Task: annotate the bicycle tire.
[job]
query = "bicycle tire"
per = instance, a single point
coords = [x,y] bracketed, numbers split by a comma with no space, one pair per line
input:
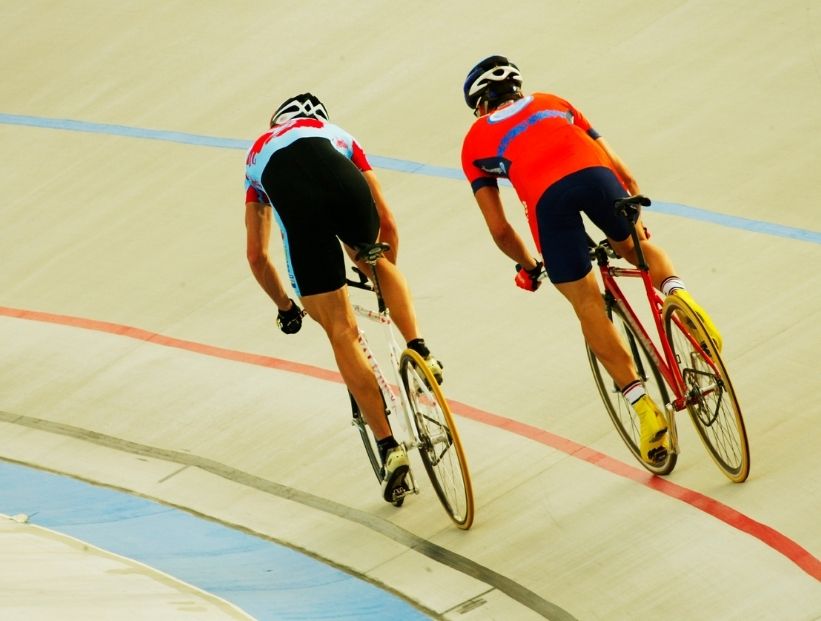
[712,402]
[620,411]
[439,444]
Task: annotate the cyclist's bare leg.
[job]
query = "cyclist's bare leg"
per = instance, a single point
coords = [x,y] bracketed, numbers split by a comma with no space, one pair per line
[334,313]
[611,351]
[660,264]
[585,297]
[396,294]
[389,235]
[661,268]
[397,297]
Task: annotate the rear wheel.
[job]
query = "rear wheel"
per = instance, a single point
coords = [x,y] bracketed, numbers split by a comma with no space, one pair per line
[620,411]
[440,446]
[711,399]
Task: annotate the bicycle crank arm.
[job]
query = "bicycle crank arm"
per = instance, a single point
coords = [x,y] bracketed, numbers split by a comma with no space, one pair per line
[410,479]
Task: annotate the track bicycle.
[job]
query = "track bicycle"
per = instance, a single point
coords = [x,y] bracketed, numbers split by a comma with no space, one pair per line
[417,406]
[687,372]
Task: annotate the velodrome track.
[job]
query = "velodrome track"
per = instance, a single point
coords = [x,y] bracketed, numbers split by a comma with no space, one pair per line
[138,352]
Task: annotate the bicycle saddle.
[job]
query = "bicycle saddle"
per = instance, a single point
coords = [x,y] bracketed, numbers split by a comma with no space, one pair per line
[629,206]
[370,253]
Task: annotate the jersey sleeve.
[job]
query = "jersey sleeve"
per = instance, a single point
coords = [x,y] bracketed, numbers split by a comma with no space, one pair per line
[358,157]
[347,144]
[477,177]
[253,195]
[580,121]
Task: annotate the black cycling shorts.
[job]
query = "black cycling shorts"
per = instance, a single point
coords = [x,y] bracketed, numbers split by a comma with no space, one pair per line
[319,197]
[561,228]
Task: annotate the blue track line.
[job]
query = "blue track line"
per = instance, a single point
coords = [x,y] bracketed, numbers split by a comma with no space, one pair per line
[268,581]
[388,163]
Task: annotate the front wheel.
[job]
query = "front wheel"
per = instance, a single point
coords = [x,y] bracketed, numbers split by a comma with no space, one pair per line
[439,444]
[620,411]
[711,399]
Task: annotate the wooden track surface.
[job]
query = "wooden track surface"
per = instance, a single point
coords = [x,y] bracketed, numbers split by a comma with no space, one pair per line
[139,352]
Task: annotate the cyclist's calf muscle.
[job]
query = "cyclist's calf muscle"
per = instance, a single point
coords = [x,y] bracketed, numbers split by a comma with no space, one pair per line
[660,264]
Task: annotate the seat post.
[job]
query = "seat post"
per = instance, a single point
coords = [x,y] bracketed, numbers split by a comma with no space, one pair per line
[629,208]
[380,301]
[371,253]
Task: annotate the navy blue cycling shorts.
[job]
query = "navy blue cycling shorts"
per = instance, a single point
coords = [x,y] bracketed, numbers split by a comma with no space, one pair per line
[319,197]
[562,235]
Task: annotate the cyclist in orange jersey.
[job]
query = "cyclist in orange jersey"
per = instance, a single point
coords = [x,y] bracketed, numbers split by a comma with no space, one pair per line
[560,168]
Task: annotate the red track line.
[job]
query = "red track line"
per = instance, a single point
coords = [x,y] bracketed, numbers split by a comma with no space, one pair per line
[776,540]
[168,341]
[771,537]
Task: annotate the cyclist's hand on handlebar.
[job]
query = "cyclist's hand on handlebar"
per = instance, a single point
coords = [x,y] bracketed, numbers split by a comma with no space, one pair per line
[529,280]
[290,321]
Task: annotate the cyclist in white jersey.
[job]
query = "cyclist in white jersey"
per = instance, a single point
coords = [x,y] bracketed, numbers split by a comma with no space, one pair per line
[315,179]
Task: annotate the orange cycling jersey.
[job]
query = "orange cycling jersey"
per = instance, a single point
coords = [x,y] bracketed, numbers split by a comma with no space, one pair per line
[534,141]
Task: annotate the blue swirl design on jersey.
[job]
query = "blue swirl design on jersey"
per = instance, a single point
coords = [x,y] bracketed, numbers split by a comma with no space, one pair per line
[534,118]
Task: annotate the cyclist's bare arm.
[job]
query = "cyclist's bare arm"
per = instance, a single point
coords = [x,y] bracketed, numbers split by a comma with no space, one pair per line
[505,236]
[621,168]
[258,233]
[388,232]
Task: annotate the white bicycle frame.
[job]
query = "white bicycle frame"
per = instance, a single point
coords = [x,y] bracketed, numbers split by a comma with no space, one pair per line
[396,399]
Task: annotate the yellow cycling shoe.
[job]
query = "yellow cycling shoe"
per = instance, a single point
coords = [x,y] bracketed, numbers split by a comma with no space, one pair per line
[712,331]
[653,441]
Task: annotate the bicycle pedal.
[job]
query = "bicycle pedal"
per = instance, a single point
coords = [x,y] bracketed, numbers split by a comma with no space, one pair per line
[397,487]
[657,455]
[400,491]
[396,495]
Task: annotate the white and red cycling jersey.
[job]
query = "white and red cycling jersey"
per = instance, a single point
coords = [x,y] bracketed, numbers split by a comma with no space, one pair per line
[281,136]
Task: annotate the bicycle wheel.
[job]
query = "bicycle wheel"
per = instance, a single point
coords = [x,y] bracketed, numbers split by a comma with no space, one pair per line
[439,443]
[711,399]
[367,437]
[620,411]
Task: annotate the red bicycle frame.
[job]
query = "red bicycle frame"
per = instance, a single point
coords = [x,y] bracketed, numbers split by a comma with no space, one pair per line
[665,360]
[666,363]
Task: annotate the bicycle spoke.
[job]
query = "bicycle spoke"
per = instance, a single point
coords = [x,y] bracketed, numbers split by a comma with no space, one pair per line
[441,437]
[711,400]
[714,413]
[424,420]
[621,413]
[439,447]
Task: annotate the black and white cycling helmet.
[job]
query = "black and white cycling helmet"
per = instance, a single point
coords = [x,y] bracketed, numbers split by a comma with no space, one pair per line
[490,80]
[305,105]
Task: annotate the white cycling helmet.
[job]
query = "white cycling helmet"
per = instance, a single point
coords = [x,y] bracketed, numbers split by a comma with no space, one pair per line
[490,80]
[305,105]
